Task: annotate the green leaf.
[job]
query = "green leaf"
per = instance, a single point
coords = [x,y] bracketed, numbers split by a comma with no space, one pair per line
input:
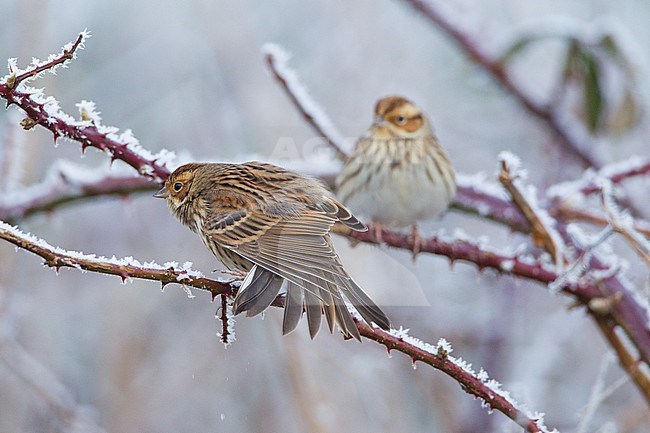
[593,97]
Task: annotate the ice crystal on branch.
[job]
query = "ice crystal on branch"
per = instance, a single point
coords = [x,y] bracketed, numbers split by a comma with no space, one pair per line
[277,59]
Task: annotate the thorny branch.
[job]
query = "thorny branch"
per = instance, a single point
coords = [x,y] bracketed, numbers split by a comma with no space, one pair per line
[88,134]
[65,56]
[541,234]
[128,268]
[624,313]
[125,269]
[440,360]
[63,192]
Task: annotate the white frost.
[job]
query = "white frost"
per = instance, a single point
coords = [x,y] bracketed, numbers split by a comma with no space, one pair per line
[75,257]
[280,57]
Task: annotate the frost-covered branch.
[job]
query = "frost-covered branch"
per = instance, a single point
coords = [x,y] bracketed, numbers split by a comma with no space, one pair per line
[569,213]
[541,224]
[574,139]
[125,268]
[17,76]
[65,183]
[276,59]
[591,180]
[629,363]
[478,195]
[227,318]
[625,312]
[623,223]
[89,132]
[475,383]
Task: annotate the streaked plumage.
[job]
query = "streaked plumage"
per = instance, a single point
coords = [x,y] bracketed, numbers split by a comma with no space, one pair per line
[398,173]
[273,224]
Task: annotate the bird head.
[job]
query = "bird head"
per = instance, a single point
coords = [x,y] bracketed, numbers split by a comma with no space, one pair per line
[177,185]
[396,116]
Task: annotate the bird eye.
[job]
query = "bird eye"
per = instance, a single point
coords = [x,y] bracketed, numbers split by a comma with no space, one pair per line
[178,186]
[401,120]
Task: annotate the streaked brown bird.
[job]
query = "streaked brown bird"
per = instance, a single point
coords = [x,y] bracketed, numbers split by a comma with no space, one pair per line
[273,224]
[398,173]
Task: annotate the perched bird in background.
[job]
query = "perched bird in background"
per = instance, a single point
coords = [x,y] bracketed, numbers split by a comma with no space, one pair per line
[274,225]
[398,174]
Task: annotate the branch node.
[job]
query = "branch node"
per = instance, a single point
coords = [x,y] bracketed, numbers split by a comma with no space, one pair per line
[604,306]
[28,123]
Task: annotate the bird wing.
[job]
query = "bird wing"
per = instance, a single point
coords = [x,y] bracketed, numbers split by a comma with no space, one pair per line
[297,247]
[294,248]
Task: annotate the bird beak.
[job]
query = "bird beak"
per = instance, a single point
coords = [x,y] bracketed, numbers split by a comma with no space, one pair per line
[163,193]
[377,121]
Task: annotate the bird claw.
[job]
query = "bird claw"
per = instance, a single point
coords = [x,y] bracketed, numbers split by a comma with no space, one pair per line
[237,275]
[377,229]
[417,242]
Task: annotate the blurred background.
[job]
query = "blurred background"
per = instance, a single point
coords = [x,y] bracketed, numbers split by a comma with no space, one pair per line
[83,352]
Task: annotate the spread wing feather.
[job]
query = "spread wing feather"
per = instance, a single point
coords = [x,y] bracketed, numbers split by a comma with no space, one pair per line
[294,246]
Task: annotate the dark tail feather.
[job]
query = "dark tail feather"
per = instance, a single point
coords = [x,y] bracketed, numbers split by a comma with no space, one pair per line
[345,321]
[327,295]
[314,312]
[257,292]
[292,308]
[346,217]
[366,307]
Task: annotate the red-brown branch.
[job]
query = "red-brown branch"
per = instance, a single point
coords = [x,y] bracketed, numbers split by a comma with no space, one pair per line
[58,258]
[87,136]
[574,145]
[62,193]
[626,312]
[440,361]
[280,74]
[65,56]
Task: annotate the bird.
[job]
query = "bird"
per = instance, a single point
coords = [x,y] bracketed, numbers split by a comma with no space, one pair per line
[398,174]
[274,225]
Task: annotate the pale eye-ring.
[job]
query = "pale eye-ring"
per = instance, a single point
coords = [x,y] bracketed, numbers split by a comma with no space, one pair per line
[401,120]
[178,186]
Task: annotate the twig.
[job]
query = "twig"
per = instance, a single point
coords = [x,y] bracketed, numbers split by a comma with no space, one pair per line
[624,224]
[575,144]
[590,182]
[60,187]
[45,111]
[438,357]
[276,59]
[65,56]
[477,195]
[542,234]
[627,361]
[569,213]
[227,334]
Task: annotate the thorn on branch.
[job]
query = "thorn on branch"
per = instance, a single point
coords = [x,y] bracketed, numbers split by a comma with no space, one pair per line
[224,313]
